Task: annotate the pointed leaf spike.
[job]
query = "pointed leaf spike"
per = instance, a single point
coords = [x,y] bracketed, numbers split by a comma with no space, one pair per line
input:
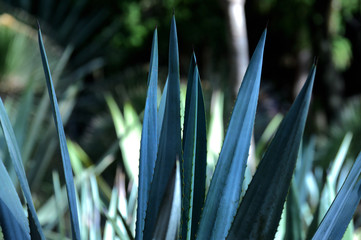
[63,146]
[226,185]
[261,207]
[149,142]
[192,146]
[169,147]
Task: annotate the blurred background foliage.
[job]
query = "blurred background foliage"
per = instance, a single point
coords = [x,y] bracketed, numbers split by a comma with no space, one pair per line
[99,55]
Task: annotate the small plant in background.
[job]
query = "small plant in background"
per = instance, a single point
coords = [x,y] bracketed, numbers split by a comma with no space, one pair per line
[173,200]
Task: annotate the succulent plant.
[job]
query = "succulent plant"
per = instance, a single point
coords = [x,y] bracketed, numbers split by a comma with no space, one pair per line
[221,212]
[173,201]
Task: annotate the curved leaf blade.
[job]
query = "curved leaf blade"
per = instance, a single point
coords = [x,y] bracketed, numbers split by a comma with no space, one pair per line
[261,207]
[149,141]
[169,148]
[63,146]
[340,213]
[226,185]
[13,221]
[19,170]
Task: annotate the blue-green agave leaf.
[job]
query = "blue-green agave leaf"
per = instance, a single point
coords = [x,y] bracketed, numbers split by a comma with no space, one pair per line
[338,216]
[194,155]
[13,221]
[169,148]
[15,155]
[149,142]
[261,207]
[226,185]
[63,146]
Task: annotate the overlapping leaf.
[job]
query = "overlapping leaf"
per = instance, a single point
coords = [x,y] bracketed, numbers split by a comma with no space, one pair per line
[194,155]
[149,142]
[15,155]
[169,148]
[225,189]
[13,221]
[261,207]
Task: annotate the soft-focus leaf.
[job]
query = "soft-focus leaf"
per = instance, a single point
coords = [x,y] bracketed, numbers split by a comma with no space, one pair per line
[13,221]
[261,207]
[215,129]
[149,142]
[268,134]
[170,138]
[226,185]
[340,213]
[293,218]
[57,194]
[128,129]
[14,152]
[63,146]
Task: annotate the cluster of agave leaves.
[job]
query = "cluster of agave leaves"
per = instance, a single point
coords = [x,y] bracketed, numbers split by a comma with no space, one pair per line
[172,198]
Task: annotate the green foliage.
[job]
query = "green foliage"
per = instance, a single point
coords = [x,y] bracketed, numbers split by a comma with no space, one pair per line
[174,200]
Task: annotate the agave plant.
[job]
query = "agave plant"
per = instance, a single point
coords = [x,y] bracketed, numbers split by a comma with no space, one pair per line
[173,201]
[172,170]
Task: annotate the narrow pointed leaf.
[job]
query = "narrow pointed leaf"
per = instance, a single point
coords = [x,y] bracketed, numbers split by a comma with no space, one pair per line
[13,221]
[169,148]
[149,142]
[63,146]
[226,185]
[194,155]
[334,224]
[261,207]
[19,169]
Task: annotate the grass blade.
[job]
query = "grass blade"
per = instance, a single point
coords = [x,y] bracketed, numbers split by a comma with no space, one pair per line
[226,185]
[149,142]
[14,152]
[63,147]
[340,213]
[170,138]
[261,207]
[13,221]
